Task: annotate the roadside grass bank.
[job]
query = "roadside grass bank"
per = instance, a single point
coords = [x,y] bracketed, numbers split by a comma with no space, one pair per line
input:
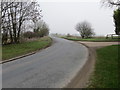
[14,50]
[94,39]
[106,73]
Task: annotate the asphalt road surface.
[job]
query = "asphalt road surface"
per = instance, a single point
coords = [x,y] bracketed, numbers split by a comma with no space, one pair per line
[53,67]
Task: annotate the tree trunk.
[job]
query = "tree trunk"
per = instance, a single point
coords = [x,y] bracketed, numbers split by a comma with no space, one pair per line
[14,24]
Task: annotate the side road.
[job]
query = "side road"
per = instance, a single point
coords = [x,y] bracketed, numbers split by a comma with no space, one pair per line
[81,80]
[97,44]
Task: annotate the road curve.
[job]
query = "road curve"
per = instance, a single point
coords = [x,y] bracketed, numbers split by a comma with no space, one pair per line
[53,67]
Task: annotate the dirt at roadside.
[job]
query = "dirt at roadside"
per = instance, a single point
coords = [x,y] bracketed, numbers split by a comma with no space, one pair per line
[98,44]
[82,77]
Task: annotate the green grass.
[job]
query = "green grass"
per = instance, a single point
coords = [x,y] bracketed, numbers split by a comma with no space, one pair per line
[95,39]
[0,53]
[13,50]
[106,68]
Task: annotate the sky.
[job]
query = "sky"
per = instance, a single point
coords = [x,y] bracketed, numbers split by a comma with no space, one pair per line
[62,16]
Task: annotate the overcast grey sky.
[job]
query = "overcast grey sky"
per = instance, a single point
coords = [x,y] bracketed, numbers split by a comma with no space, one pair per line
[63,16]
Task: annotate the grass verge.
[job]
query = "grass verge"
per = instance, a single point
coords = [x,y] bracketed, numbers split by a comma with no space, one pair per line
[106,68]
[14,50]
[99,39]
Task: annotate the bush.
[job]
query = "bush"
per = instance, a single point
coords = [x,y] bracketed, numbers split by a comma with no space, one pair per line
[42,30]
[29,34]
[116,17]
[68,35]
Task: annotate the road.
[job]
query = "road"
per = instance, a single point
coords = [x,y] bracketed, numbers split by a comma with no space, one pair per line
[53,67]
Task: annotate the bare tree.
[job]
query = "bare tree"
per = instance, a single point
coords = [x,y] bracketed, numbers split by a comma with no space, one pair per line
[85,30]
[13,14]
[116,15]
[111,3]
